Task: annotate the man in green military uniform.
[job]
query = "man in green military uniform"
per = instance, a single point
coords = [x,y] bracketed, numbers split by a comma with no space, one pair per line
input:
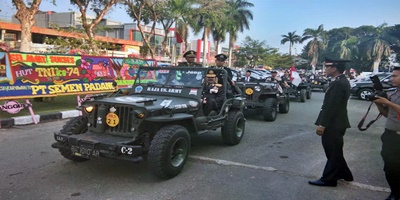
[190,56]
[219,62]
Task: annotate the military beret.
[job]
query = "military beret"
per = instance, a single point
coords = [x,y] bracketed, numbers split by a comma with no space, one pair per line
[221,57]
[211,73]
[190,53]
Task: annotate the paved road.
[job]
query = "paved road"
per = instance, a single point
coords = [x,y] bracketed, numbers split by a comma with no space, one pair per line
[274,161]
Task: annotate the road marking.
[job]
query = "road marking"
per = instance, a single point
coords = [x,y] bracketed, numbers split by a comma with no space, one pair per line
[271,169]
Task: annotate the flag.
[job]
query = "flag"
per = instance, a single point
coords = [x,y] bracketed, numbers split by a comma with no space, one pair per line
[294,76]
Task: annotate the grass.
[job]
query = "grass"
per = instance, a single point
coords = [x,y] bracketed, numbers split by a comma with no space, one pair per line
[59,103]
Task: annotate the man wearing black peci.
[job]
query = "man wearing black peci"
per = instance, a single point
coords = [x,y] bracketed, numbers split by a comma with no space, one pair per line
[332,123]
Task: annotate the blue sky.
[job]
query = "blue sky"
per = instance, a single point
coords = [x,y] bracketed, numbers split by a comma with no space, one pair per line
[273,18]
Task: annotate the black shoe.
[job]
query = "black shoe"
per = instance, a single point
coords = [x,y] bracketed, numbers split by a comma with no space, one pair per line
[319,182]
[348,179]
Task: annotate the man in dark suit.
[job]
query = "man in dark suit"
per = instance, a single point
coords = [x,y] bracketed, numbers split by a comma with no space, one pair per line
[247,77]
[332,123]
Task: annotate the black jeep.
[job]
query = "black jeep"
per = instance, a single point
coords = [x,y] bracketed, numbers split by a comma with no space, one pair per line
[319,82]
[302,91]
[265,98]
[154,121]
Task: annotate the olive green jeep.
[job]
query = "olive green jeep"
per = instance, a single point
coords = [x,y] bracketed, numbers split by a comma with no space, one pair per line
[154,120]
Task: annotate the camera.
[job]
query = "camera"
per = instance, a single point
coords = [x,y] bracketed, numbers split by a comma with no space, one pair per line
[378,89]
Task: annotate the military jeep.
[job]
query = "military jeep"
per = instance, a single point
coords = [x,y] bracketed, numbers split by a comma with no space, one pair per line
[303,91]
[154,121]
[265,98]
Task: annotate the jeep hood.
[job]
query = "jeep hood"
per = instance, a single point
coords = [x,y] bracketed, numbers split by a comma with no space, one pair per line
[152,102]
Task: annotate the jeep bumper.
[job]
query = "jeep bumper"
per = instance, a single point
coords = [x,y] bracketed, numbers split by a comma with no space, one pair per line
[95,145]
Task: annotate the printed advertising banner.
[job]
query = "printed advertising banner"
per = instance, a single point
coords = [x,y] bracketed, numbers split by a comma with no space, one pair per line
[26,75]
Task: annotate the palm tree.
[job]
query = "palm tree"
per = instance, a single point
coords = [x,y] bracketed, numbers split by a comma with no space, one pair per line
[292,38]
[219,35]
[316,44]
[239,14]
[347,48]
[378,44]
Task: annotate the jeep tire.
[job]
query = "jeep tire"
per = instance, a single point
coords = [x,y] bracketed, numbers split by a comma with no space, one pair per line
[233,129]
[269,109]
[303,95]
[284,107]
[169,151]
[309,93]
[74,126]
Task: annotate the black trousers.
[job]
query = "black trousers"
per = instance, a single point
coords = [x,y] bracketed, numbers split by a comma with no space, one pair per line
[391,158]
[336,166]
[210,105]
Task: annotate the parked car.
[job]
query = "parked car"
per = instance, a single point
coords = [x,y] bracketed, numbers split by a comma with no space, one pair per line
[362,89]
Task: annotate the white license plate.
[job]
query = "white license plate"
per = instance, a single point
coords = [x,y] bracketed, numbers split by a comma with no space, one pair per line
[84,151]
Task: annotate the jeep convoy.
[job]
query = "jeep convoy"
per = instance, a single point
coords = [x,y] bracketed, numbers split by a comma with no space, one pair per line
[265,98]
[154,121]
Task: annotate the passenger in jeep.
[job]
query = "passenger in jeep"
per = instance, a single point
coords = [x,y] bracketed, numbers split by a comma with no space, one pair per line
[213,95]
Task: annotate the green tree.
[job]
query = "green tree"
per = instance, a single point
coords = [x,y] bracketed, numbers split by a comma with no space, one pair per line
[171,12]
[292,38]
[25,16]
[100,7]
[239,14]
[377,45]
[316,44]
[144,11]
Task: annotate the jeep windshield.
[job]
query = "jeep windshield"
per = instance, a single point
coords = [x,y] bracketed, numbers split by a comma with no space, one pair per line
[182,77]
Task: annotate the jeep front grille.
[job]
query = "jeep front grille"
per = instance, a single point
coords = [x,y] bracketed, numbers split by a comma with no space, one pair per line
[249,97]
[124,113]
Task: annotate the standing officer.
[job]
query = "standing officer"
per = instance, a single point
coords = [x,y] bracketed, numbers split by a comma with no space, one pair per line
[190,57]
[332,123]
[390,108]
[219,62]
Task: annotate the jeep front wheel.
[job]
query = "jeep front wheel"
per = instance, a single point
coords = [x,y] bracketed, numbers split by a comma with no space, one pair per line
[269,109]
[168,151]
[303,95]
[75,126]
[233,129]
[309,93]
[284,107]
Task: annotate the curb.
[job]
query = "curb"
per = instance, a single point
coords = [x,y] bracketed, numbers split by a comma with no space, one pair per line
[24,120]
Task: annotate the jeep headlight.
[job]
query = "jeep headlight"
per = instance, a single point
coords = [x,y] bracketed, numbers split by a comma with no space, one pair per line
[257,88]
[89,109]
[352,84]
[139,114]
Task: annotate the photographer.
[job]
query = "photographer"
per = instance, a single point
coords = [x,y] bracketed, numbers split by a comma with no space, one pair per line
[390,108]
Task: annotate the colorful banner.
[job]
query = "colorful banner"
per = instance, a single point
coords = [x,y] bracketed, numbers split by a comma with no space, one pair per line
[26,75]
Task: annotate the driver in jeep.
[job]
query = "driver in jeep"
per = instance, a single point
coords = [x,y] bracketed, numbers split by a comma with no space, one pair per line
[213,95]
[275,79]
